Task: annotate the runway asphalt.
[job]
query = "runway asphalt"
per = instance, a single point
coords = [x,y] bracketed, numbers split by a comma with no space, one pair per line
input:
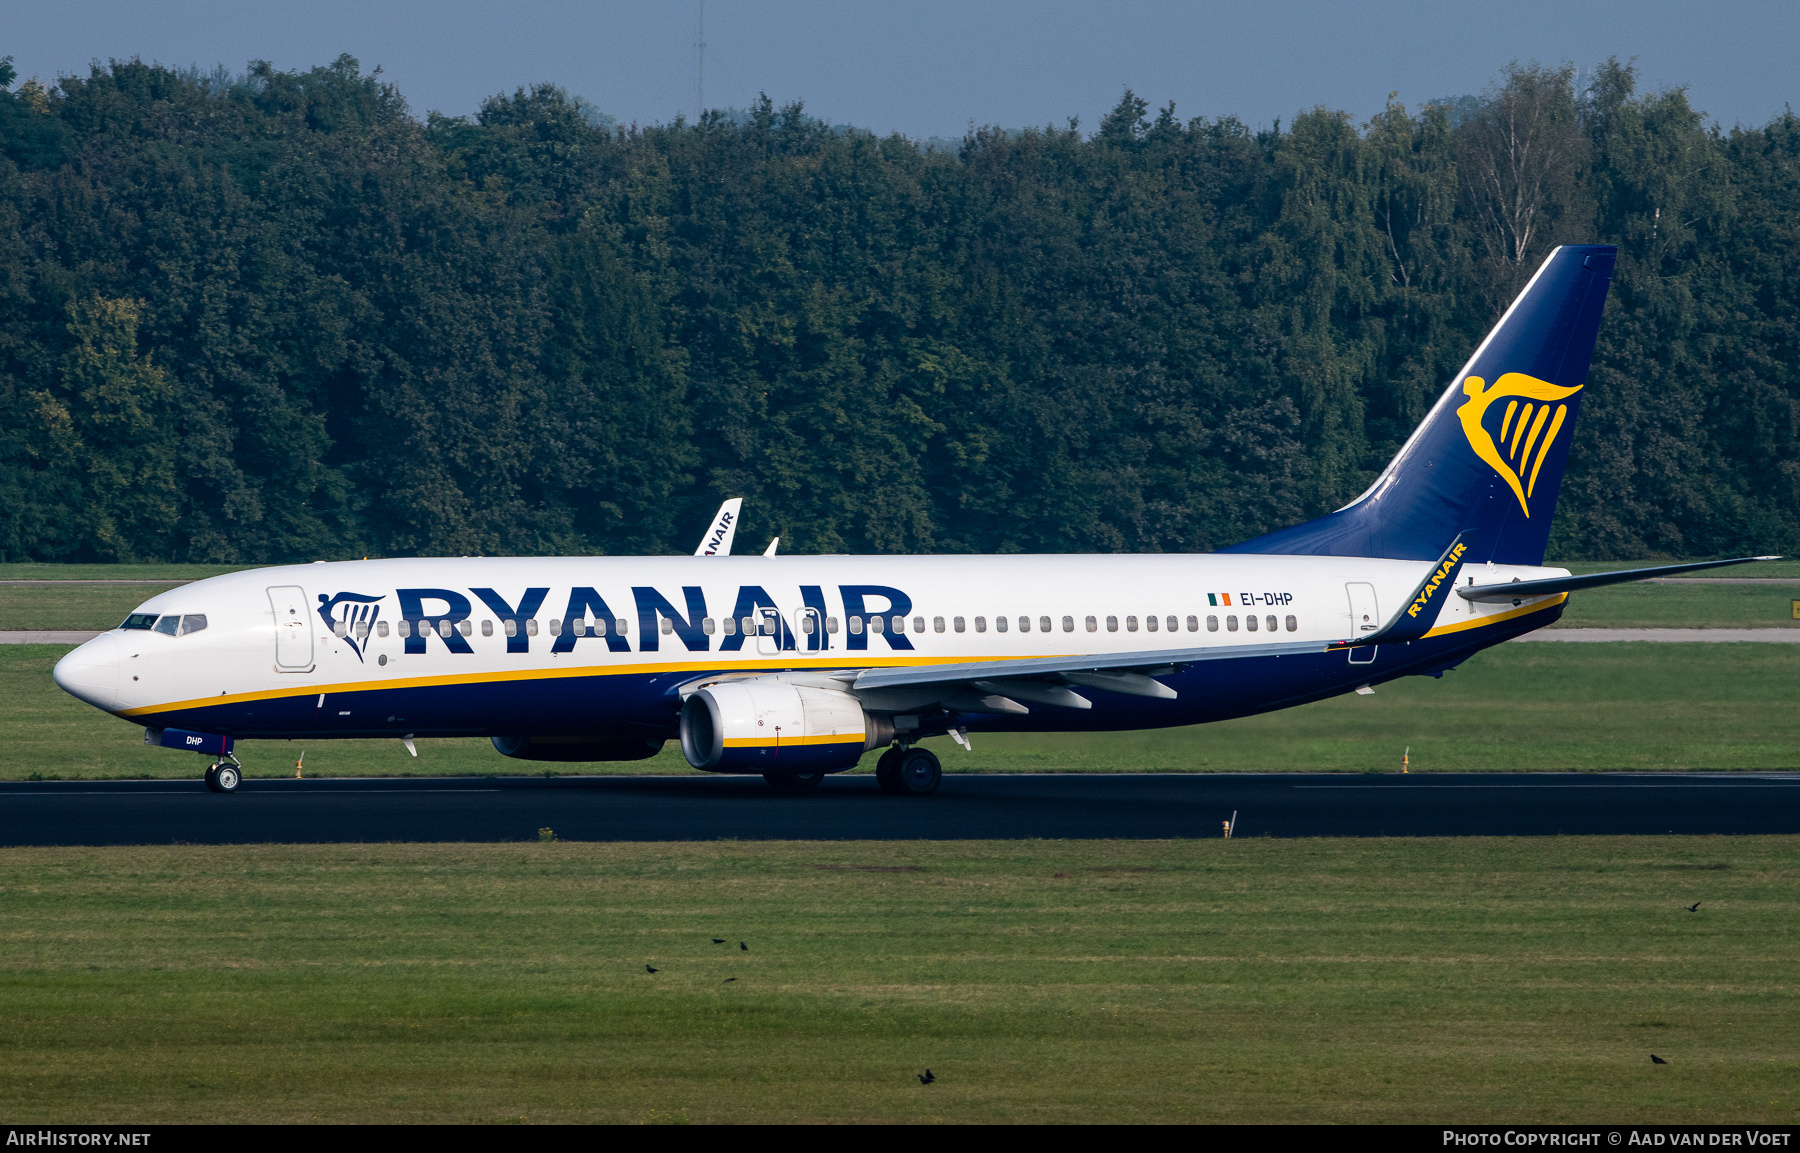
[968,806]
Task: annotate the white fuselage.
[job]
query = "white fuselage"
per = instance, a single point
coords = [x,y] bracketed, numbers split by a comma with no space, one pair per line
[649,624]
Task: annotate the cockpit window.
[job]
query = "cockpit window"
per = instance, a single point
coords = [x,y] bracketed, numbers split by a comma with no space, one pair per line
[139,621]
[192,623]
[168,624]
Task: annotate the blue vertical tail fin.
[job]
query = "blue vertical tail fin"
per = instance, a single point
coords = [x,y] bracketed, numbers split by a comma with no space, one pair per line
[1488,459]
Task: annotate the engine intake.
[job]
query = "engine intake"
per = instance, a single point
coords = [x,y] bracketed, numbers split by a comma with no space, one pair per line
[769,727]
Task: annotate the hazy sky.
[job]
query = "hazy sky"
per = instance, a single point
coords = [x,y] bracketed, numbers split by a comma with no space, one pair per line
[929,67]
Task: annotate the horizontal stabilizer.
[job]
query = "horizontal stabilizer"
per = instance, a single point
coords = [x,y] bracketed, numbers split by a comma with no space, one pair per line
[1549,586]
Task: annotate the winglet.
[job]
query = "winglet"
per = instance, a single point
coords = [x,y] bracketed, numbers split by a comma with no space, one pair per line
[717,541]
[1421,610]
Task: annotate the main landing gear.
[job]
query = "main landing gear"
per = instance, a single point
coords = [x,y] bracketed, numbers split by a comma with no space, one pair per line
[225,776]
[908,772]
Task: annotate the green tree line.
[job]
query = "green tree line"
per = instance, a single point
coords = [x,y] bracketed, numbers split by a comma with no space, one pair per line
[280,317]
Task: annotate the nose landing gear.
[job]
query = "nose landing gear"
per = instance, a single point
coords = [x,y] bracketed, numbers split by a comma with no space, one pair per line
[225,776]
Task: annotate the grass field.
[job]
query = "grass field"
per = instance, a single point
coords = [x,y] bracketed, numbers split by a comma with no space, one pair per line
[1619,606]
[1356,980]
[1514,708]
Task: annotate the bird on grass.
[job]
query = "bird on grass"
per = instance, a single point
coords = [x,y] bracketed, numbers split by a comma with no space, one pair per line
[1655,1060]
[729,980]
[1693,908]
[926,1078]
[743,946]
[648,969]
[718,940]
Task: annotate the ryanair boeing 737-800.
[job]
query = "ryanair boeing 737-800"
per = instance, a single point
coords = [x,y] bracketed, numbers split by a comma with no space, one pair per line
[795,666]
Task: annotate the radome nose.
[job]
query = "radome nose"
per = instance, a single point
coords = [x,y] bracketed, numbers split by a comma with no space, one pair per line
[91,672]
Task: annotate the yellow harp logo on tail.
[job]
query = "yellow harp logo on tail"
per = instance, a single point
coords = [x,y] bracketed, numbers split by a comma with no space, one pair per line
[1528,427]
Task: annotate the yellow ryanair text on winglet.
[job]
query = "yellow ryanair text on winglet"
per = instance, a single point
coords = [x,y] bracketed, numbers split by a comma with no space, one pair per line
[1437,578]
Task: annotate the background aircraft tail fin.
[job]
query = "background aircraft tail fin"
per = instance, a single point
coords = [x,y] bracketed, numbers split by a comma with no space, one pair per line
[1489,456]
[719,534]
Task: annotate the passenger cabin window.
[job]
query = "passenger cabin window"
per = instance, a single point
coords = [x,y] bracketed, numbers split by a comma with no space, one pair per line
[1231,624]
[1024,624]
[1150,624]
[831,624]
[1112,624]
[487,628]
[1270,621]
[555,626]
[139,621]
[667,625]
[1193,624]
[512,628]
[856,625]
[1293,625]
[1043,624]
[194,622]
[465,628]
[381,628]
[361,630]
[730,626]
[999,624]
[1131,624]
[957,624]
[981,624]
[1093,626]
[1250,622]
[808,625]
[937,624]
[919,624]
[1212,624]
[1175,625]
[338,628]
[403,628]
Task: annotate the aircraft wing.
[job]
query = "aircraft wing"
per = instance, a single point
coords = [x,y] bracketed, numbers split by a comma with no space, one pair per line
[1516,590]
[998,686]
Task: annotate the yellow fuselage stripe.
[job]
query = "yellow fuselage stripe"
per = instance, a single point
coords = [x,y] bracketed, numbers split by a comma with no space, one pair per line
[1510,614]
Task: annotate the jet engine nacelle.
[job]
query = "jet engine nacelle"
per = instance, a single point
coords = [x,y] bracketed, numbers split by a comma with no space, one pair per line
[770,727]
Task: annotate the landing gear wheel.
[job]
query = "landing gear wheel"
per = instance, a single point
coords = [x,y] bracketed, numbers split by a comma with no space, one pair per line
[915,773]
[886,768]
[793,782]
[223,778]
